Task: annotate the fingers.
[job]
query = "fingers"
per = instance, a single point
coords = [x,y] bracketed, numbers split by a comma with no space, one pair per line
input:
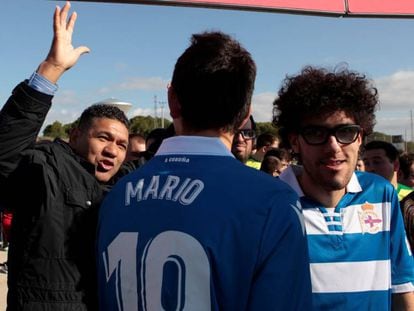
[64,14]
[60,16]
[56,18]
[71,23]
[82,50]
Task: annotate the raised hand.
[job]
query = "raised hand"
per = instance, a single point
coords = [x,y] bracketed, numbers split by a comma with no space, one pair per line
[62,55]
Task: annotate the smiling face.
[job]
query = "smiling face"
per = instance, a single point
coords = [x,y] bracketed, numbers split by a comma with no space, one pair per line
[328,167]
[104,144]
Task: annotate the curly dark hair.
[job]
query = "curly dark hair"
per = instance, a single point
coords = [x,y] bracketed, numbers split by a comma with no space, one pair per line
[406,160]
[102,111]
[214,80]
[319,92]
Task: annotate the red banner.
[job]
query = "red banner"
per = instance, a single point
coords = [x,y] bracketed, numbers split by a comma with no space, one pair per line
[363,8]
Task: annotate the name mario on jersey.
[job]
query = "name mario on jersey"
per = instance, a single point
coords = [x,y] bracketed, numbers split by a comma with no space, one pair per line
[174,188]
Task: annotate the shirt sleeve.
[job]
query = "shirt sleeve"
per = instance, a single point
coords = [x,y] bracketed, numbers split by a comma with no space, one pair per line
[41,84]
[282,280]
[402,264]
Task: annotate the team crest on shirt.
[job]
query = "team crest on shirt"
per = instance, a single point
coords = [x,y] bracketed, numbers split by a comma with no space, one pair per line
[369,220]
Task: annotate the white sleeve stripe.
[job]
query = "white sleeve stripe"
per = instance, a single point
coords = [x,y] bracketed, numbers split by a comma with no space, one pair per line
[403,288]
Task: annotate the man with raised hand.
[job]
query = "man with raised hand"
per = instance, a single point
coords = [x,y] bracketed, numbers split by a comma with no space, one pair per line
[195,229]
[54,189]
[357,246]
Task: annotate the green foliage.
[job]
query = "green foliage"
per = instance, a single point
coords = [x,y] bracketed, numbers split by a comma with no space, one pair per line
[145,124]
[54,130]
[266,127]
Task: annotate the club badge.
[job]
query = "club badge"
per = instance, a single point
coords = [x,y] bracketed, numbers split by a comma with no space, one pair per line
[369,220]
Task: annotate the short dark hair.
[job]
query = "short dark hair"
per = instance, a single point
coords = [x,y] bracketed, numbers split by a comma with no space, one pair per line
[390,151]
[214,81]
[319,91]
[157,135]
[139,136]
[280,153]
[99,111]
[406,160]
[265,140]
[270,164]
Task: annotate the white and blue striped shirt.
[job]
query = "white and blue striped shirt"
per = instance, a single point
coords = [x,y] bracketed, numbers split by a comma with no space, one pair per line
[358,251]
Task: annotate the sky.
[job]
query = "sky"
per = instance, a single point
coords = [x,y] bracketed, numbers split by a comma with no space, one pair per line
[134,49]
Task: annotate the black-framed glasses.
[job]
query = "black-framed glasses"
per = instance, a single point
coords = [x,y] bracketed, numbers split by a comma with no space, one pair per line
[246,133]
[319,135]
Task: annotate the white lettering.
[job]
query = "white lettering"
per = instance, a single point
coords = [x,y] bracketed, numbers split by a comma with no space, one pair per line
[172,188]
[152,188]
[131,192]
[171,183]
[191,192]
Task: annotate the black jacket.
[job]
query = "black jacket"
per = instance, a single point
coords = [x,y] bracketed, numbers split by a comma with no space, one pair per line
[54,197]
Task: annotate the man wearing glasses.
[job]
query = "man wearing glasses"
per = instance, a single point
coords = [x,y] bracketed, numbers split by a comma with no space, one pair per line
[357,245]
[242,145]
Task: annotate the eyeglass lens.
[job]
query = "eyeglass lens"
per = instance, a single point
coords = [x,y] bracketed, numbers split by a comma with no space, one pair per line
[247,134]
[318,135]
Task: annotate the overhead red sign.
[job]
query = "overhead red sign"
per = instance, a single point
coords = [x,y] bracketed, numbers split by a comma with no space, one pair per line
[374,8]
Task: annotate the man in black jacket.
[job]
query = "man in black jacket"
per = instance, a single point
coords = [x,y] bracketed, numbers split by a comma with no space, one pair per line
[54,189]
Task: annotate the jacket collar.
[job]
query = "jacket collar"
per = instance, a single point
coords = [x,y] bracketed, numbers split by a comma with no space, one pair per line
[89,167]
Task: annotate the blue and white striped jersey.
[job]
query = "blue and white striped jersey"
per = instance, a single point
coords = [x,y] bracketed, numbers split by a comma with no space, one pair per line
[358,252]
[195,229]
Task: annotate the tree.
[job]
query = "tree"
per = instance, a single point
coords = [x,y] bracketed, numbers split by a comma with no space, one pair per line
[145,124]
[266,127]
[55,130]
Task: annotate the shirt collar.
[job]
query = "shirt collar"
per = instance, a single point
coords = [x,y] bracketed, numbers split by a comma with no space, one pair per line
[290,174]
[193,145]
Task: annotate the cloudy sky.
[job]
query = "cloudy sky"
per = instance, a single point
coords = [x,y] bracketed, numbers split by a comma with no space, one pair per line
[134,48]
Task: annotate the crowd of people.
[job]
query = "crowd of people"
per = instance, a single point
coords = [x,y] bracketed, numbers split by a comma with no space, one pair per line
[204,215]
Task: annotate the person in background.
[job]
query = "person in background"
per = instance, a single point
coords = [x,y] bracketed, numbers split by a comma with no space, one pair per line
[405,174]
[136,146]
[243,141]
[381,157]
[271,165]
[360,166]
[264,142]
[54,189]
[195,229]
[275,161]
[359,258]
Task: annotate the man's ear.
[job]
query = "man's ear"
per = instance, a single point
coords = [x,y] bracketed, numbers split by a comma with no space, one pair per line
[173,103]
[246,118]
[400,175]
[396,165]
[294,142]
[74,136]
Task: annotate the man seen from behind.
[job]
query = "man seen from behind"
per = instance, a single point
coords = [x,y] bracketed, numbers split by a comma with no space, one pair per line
[195,229]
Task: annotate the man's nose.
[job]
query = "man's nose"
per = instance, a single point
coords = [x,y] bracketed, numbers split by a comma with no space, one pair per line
[333,143]
[111,149]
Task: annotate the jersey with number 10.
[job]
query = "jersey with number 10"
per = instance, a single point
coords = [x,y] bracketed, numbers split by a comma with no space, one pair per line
[194,229]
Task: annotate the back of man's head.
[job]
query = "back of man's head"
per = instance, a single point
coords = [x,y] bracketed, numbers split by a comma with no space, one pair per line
[213,81]
[266,140]
[316,92]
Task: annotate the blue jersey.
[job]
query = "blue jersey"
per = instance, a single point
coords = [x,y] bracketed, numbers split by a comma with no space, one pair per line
[195,229]
[358,251]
